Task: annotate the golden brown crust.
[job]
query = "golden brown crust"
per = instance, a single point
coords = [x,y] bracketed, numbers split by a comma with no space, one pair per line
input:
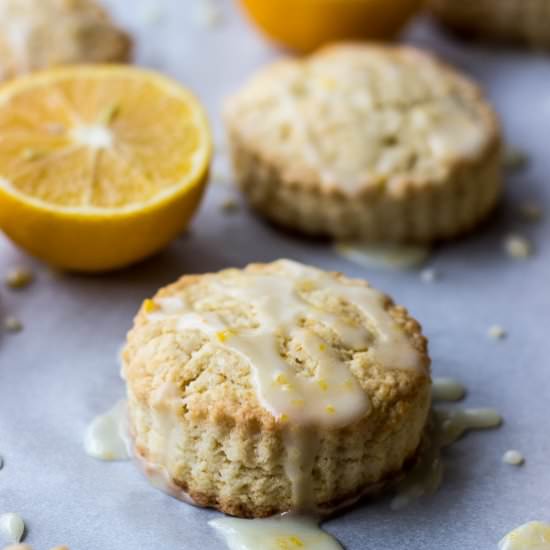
[402,189]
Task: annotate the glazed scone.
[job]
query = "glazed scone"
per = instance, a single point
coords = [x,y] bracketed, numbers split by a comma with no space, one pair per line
[520,21]
[278,387]
[36,34]
[382,143]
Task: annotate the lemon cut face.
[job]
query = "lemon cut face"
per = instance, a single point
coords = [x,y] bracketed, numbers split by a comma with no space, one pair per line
[100,151]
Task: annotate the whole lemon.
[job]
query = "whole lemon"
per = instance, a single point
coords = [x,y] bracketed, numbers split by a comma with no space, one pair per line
[304,25]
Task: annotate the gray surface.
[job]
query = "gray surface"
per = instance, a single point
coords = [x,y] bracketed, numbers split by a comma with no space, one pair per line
[61,371]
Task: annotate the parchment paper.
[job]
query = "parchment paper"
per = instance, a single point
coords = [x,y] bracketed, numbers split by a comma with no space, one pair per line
[61,370]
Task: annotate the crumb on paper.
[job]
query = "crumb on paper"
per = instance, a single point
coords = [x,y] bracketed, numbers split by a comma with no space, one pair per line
[12,324]
[530,211]
[19,277]
[1,462]
[429,275]
[208,13]
[513,457]
[518,247]
[515,159]
[496,332]
[229,206]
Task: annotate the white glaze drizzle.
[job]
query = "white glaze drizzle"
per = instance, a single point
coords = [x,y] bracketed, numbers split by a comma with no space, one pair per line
[159,478]
[387,256]
[444,429]
[447,389]
[534,535]
[106,437]
[286,532]
[332,397]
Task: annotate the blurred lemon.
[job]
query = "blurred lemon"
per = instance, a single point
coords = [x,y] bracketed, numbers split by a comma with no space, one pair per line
[100,166]
[304,25]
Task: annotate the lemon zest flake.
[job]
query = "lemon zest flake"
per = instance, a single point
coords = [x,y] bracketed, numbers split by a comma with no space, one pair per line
[289,542]
[224,335]
[149,306]
[281,379]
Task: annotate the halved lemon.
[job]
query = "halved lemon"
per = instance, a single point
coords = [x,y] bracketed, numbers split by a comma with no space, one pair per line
[304,25]
[100,166]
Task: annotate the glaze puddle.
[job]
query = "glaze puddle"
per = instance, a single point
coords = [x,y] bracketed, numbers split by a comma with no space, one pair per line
[286,532]
[447,389]
[106,437]
[445,428]
[534,535]
[12,526]
[388,256]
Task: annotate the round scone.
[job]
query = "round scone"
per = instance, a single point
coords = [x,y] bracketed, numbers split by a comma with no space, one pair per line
[521,21]
[278,387]
[382,143]
[36,34]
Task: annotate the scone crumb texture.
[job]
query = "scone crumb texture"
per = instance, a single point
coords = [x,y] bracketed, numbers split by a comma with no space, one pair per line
[518,247]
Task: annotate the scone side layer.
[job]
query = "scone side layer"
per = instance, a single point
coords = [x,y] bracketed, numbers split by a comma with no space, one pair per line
[221,464]
[415,213]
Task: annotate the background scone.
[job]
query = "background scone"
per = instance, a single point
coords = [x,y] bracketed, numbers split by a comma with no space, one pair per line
[36,34]
[379,143]
[522,21]
[274,388]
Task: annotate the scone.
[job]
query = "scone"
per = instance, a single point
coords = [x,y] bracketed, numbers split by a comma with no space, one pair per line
[278,387]
[381,143]
[521,21]
[36,34]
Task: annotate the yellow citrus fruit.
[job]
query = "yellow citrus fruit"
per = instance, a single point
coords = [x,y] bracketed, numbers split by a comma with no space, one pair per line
[100,166]
[304,25]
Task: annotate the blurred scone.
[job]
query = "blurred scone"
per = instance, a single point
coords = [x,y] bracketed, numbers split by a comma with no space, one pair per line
[277,387]
[36,34]
[522,21]
[362,141]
